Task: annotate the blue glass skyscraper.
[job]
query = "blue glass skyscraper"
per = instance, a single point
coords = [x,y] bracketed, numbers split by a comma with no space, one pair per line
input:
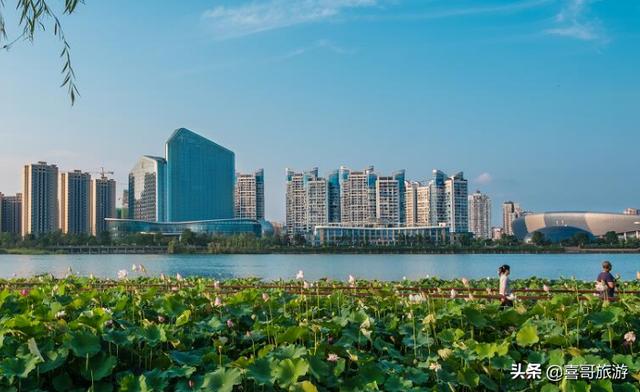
[200,178]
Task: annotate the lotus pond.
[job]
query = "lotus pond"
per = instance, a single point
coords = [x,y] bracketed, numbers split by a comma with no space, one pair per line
[174,334]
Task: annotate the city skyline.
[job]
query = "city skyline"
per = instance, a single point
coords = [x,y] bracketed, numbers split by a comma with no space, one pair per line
[534,100]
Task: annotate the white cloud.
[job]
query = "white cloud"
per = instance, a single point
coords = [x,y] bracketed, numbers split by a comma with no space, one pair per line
[483,179]
[573,21]
[254,17]
[320,44]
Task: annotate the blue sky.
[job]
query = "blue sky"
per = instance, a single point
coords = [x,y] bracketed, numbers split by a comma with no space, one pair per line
[535,100]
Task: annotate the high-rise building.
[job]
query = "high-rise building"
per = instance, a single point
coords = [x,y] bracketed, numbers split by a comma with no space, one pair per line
[456,191]
[316,202]
[249,195]
[510,212]
[103,203]
[74,199]
[437,199]
[333,181]
[296,216]
[480,215]
[11,214]
[411,200]
[423,203]
[39,199]
[147,190]
[358,197]
[390,199]
[200,178]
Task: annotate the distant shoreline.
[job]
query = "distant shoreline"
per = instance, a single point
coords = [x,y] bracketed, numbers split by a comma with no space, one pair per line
[307,251]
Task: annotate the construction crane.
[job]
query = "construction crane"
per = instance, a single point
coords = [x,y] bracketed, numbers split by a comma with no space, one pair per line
[102,172]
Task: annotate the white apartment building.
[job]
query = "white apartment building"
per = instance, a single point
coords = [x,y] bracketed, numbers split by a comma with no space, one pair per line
[456,191]
[296,214]
[249,195]
[480,215]
[358,197]
[510,212]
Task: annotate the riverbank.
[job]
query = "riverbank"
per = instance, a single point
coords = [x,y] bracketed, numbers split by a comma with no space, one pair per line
[159,250]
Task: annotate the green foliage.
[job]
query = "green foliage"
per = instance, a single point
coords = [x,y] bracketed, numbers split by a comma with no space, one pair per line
[38,16]
[65,335]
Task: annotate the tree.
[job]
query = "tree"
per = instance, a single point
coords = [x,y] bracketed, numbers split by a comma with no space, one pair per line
[581,239]
[611,238]
[538,238]
[187,237]
[37,16]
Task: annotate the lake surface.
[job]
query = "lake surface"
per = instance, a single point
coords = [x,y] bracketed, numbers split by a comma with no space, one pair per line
[274,266]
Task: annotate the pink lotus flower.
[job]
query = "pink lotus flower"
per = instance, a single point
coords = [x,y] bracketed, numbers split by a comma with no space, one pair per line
[305,285]
[216,285]
[161,319]
[24,292]
[630,337]
[229,323]
[546,288]
[332,357]
[122,274]
[265,297]
[300,275]
[217,302]
[453,293]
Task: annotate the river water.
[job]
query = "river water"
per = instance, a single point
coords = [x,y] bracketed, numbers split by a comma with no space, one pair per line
[276,266]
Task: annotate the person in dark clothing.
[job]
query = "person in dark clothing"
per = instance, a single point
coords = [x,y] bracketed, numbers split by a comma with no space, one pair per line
[606,283]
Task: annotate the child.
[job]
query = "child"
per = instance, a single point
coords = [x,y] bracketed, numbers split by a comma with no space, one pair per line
[606,283]
[506,298]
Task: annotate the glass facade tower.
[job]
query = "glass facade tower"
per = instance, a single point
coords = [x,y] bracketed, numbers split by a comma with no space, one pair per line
[200,178]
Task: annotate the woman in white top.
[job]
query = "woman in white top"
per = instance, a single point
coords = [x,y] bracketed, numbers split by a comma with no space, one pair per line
[506,298]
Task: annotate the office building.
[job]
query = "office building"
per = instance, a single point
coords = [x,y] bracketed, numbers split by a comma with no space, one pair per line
[358,197]
[480,215]
[103,204]
[510,212]
[11,214]
[74,199]
[437,199]
[249,195]
[296,211]
[457,210]
[147,189]
[39,199]
[377,235]
[200,178]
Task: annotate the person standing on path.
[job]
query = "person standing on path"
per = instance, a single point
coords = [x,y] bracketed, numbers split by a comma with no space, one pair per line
[606,283]
[506,297]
